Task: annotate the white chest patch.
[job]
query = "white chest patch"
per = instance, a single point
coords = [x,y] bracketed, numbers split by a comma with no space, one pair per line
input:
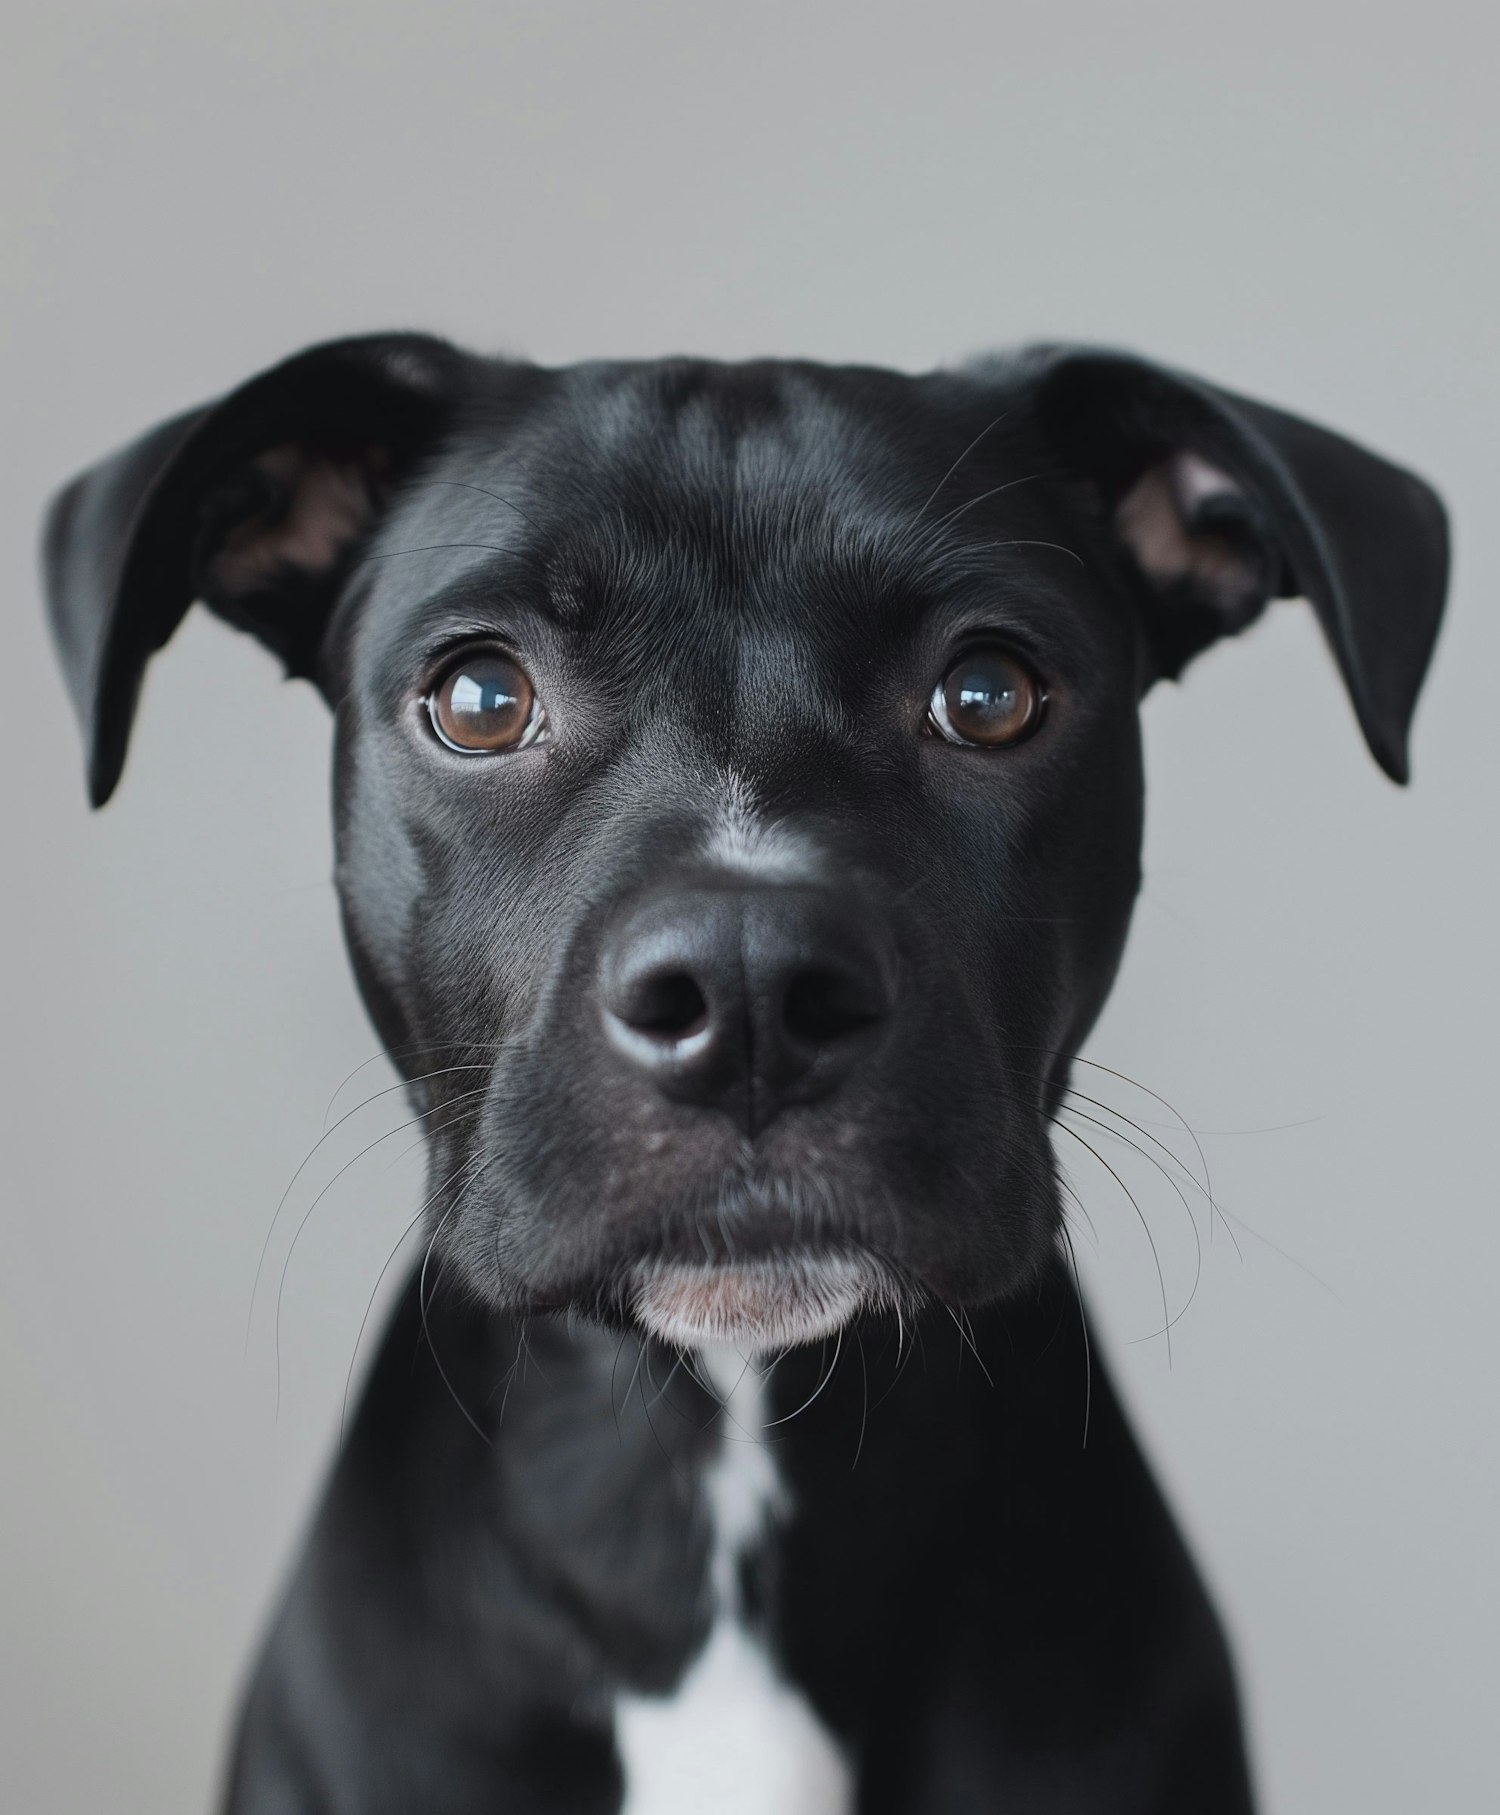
[734,1738]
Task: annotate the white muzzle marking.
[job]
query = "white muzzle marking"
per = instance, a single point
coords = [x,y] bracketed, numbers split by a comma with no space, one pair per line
[776,1302]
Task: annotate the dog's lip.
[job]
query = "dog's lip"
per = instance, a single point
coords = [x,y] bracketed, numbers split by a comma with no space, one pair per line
[772,1301]
[713,1227]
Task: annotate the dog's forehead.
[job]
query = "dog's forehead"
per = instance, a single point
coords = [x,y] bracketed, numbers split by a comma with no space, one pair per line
[669,450]
[695,462]
[755,422]
[749,519]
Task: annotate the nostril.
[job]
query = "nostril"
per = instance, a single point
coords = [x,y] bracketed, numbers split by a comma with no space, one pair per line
[746,999]
[822,1005]
[668,1005]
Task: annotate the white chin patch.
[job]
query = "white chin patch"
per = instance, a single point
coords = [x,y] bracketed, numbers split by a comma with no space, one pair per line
[776,1302]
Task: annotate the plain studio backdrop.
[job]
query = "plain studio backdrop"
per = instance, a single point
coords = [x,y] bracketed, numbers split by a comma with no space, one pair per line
[1296,200]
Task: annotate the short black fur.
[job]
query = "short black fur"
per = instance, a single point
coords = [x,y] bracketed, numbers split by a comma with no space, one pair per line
[735,589]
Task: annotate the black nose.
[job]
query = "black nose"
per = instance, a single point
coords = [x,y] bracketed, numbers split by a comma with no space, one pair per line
[747,998]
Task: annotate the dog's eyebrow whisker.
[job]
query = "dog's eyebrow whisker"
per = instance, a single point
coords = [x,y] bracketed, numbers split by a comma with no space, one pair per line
[959,510]
[485,492]
[988,428]
[1036,542]
[430,548]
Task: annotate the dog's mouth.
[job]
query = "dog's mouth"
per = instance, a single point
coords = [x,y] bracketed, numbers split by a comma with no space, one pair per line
[772,1302]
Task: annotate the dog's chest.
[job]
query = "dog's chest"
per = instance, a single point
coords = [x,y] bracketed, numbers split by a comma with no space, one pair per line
[734,1737]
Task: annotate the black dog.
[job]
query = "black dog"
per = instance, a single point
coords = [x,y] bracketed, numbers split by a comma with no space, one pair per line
[738,803]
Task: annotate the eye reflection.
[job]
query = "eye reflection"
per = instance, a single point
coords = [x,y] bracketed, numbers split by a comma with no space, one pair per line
[484,704]
[989,698]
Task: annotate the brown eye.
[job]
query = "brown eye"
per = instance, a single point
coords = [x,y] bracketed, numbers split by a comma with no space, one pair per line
[485,703]
[987,698]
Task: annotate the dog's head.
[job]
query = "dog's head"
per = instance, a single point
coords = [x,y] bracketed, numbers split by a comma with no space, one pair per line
[738,772]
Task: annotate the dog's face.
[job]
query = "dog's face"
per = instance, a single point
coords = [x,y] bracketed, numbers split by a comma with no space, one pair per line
[734,843]
[738,774]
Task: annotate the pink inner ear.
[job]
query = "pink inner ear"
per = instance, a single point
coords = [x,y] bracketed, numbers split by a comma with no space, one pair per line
[324,505]
[1156,517]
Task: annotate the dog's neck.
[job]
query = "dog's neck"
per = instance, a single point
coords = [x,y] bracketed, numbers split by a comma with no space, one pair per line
[733,1735]
[604,1452]
[614,1539]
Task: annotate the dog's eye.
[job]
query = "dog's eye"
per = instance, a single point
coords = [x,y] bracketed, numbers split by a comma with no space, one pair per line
[484,703]
[988,698]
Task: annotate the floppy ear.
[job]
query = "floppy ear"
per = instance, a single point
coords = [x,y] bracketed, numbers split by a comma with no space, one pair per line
[1221,504]
[257,505]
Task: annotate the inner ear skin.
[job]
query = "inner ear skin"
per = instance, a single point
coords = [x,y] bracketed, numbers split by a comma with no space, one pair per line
[275,541]
[1187,521]
[1199,545]
[313,506]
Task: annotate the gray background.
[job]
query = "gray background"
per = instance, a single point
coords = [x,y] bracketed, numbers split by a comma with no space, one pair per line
[1296,200]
